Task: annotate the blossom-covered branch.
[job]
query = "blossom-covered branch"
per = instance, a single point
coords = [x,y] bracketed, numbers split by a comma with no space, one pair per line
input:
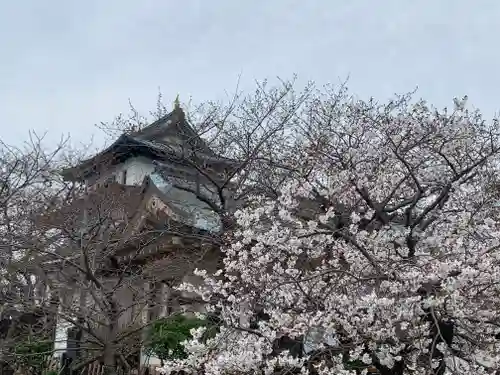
[377,251]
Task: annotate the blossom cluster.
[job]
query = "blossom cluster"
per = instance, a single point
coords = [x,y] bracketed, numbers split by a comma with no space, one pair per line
[396,269]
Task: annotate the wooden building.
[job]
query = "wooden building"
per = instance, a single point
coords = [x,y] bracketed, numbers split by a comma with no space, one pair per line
[158,192]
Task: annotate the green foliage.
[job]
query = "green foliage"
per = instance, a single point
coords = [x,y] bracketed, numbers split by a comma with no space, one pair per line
[33,353]
[167,334]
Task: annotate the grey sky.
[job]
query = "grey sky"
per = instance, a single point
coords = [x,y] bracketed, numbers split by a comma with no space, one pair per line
[66,65]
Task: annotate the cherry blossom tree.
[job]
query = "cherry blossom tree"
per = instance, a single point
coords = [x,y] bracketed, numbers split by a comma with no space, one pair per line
[378,252]
[29,184]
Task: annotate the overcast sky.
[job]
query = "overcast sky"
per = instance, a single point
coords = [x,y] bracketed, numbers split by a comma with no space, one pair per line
[66,65]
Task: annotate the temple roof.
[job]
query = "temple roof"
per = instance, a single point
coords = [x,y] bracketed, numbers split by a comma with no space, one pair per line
[170,138]
[171,126]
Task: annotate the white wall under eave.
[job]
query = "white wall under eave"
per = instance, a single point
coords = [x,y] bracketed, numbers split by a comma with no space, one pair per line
[137,168]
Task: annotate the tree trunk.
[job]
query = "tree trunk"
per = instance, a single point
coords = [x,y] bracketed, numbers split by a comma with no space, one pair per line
[109,361]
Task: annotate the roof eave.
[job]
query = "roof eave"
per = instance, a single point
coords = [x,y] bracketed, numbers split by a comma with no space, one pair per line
[81,171]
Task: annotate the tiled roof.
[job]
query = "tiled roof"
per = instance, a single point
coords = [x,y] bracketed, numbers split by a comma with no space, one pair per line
[153,140]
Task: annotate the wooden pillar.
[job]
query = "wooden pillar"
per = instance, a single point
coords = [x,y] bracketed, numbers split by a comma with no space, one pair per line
[144,358]
[145,297]
[165,300]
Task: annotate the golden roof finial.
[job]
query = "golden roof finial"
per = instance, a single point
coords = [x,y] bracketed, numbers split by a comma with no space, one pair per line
[177,103]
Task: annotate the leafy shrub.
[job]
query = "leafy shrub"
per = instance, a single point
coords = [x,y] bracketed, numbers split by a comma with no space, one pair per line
[166,335]
[33,353]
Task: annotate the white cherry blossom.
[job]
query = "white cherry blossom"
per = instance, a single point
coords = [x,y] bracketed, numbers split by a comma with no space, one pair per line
[398,267]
